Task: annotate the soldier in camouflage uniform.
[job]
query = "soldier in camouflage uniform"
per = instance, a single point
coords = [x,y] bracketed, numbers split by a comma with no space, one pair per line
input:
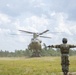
[64,48]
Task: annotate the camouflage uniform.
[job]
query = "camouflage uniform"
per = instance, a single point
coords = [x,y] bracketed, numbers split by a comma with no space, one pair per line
[64,48]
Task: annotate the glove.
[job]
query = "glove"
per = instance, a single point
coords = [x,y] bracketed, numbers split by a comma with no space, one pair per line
[50,46]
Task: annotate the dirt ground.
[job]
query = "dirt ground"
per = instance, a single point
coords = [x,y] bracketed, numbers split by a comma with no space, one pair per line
[72,73]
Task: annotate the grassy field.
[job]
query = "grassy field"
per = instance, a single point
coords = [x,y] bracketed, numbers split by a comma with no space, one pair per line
[34,66]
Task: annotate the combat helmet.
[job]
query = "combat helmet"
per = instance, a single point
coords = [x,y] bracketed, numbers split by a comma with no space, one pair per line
[64,40]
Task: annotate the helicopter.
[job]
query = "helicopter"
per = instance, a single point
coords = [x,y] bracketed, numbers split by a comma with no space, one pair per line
[35,45]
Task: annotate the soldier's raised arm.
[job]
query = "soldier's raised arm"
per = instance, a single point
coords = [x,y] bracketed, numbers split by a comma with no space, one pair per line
[54,46]
[72,46]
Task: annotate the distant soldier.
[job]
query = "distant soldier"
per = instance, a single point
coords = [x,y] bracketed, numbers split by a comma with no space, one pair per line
[64,48]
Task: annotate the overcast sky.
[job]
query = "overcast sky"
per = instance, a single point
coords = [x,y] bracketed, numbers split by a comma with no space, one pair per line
[36,16]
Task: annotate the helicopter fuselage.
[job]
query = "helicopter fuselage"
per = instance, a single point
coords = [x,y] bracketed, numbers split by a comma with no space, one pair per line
[35,44]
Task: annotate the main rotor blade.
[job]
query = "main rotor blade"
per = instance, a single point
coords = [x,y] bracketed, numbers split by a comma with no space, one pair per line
[44,32]
[26,31]
[45,37]
[20,34]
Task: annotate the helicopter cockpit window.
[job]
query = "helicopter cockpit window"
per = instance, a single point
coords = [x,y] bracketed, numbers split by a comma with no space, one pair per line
[35,40]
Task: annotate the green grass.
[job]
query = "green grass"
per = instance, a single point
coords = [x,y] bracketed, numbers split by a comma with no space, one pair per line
[34,66]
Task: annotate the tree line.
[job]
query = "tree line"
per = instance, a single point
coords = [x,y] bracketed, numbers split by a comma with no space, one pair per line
[26,52]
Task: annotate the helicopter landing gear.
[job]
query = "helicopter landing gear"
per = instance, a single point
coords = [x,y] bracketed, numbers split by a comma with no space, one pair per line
[36,53]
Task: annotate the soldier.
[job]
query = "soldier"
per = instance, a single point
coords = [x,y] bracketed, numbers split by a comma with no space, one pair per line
[64,48]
